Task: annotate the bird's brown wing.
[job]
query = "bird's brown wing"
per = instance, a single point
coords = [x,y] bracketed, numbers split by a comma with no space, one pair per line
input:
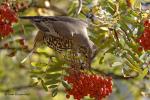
[58,26]
[64,29]
[43,24]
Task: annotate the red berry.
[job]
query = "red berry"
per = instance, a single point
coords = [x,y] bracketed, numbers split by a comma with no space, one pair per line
[147,22]
[6,45]
[84,84]
[7,17]
[144,40]
[21,41]
[67,96]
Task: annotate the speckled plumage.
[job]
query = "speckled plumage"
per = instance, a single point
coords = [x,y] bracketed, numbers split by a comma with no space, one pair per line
[62,33]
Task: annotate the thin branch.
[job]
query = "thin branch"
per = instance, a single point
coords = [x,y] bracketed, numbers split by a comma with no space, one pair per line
[119,77]
[114,76]
[17,88]
[116,35]
[79,7]
[24,50]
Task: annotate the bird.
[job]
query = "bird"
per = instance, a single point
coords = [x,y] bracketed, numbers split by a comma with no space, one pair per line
[63,33]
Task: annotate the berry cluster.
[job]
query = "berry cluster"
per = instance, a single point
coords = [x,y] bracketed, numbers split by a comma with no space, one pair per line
[21,42]
[20,6]
[144,39]
[7,17]
[88,85]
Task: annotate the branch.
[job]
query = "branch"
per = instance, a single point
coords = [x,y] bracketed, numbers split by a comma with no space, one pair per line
[24,50]
[17,88]
[79,7]
[114,76]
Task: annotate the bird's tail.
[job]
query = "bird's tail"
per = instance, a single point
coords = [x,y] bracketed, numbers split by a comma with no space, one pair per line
[30,17]
[25,17]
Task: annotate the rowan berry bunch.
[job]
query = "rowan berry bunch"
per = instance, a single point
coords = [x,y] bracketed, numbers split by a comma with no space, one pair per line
[144,39]
[20,6]
[88,85]
[7,18]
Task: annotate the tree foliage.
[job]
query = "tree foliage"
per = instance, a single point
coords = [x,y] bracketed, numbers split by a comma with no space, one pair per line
[119,28]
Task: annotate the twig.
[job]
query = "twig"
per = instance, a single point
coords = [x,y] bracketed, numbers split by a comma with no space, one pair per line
[16,88]
[24,50]
[79,7]
[96,70]
[119,77]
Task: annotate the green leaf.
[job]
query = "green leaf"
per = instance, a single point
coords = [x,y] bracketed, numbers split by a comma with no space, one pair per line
[52,81]
[101,60]
[89,1]
[66,85]
[54,92]
[126,72]
[53,76]
[128,19]
[71,8]
[143,74]
[132,12]
[132,66]
[106,44]
[110,50]
[35,84]
[137,4]
[110,10]
[52,86]
[37,64]
[41,50]
[111,4]
[134,56]
[54,68]
[140,29]
[37,72]
[123,25]
[44,85]
[115,64]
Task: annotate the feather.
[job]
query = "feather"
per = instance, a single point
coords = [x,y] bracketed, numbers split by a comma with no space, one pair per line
[58,26]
